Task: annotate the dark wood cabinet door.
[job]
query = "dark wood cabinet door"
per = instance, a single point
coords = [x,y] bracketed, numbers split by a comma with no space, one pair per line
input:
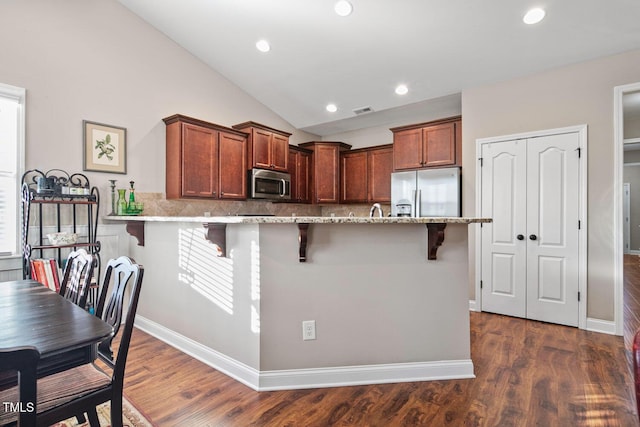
[279,152]
[326,173]
[427,145]
[354,177]
[439,147]
[303,186]
[204,160]
[199,151]
[233,167]
[261,148]
[380,166]
[268,147]
[299,169]
[407,149]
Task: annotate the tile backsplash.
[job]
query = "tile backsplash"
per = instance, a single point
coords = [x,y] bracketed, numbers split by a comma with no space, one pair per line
[155,204]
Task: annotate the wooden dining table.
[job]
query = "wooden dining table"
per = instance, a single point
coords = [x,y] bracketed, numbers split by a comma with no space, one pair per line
[64,334]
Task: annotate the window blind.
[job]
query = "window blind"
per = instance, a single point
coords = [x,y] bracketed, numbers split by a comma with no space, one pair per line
[9,168]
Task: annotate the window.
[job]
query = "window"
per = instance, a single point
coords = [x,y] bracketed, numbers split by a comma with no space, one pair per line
[12,103]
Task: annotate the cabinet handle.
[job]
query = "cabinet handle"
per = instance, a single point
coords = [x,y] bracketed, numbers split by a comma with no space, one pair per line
[533,237]
[520,237]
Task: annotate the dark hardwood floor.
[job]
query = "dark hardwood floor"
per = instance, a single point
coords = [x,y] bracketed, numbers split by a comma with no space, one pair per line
[527,374]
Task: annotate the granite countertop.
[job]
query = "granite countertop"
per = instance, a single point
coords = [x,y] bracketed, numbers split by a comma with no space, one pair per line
[300,219]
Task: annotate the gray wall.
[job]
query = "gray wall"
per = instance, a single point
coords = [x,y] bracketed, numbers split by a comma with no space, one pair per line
[573,95]
[131,75]
[374,298]
[95,60]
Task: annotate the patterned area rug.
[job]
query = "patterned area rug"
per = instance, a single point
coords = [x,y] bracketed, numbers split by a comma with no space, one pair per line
[131,417]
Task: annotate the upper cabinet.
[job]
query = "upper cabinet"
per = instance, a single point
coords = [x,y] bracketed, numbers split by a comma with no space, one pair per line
[325,170]
[300,170]
[268,148]
[366,174]
[380,166]
[424,145]
[204,160]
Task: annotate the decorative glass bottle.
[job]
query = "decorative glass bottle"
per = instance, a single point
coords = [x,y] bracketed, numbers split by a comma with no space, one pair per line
[132,197]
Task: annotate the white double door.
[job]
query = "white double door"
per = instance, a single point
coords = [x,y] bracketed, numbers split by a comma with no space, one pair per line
[530,252]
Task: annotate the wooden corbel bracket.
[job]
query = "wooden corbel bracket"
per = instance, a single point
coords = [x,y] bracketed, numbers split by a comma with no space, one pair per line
[217,234]
[436,237]
[136,229]
[303,229]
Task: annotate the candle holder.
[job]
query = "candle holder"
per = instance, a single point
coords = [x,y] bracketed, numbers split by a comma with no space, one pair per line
[113,196]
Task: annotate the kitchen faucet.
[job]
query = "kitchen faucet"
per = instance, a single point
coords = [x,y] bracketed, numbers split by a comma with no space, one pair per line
[373,209]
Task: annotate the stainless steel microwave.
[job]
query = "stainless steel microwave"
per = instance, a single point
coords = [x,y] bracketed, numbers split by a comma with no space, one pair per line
[266,184]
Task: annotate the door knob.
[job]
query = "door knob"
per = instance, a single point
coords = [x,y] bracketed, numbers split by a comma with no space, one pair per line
[533,237]
[520,237]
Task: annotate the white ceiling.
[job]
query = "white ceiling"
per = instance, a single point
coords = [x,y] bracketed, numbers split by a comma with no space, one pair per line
[437,48]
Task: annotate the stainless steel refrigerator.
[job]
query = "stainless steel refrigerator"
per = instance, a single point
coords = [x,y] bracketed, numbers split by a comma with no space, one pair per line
[426,192]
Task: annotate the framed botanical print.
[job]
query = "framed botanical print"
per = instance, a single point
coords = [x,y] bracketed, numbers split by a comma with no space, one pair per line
[105,148]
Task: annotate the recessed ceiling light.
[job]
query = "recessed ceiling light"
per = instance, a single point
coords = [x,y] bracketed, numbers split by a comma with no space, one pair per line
[343,8]
[534,16]
[263,46]
[332,108]
[402,89]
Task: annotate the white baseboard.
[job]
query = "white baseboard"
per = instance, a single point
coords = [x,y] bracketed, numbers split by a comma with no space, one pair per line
[602,326]
[593,325]
[310,378]
[231,367]
[360,375]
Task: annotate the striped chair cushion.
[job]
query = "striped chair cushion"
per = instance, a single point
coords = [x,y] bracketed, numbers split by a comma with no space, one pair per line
[59,388]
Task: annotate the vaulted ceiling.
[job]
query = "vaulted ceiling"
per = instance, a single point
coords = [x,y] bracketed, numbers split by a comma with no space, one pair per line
[437,48]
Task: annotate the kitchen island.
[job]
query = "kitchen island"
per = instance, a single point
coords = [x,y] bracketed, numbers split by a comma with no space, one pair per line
[233,292]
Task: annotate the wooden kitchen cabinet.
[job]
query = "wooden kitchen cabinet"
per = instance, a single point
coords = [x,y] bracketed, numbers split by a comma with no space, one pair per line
[353,176]
[204,160]
[380,165]
[366,174]
[268,148]
[424,145]
[325,170]
[300,169]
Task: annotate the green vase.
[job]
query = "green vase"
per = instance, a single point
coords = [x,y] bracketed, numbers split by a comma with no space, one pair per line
[122,202]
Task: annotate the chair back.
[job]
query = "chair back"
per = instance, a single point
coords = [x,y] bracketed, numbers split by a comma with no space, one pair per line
[121,275]
[77,276]
[25,361]
[636,368]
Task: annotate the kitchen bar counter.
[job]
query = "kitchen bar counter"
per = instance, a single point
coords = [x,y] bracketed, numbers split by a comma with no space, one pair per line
[216,226]
[300,219]
[383,312]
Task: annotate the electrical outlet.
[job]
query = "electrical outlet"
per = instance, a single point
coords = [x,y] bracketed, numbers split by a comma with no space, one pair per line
[308,330]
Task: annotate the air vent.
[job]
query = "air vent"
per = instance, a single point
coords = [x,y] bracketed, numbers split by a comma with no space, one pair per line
[363,110]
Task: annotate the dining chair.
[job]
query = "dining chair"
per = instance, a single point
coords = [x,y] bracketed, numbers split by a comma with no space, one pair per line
[21,408]
[636,368]
[79,390]
[76,279]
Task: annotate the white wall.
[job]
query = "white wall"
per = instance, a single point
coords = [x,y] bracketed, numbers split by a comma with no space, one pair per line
[573,95]
[374,296]
[95,60]
[379,133]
